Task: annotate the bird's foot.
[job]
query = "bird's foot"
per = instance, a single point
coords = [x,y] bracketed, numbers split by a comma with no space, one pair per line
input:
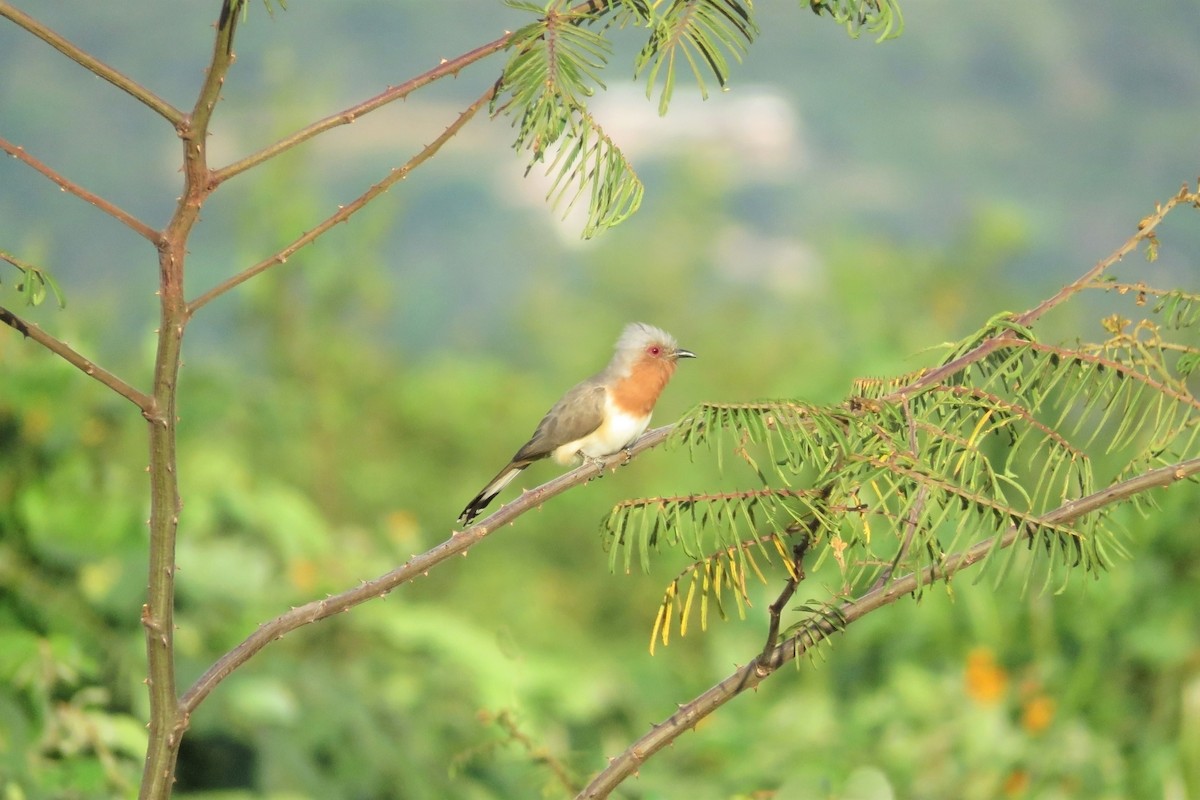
[594,461]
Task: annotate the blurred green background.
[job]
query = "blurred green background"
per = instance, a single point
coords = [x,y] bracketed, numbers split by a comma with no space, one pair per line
[843,207]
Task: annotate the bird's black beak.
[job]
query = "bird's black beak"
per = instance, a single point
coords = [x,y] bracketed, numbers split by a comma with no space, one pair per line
[681,353]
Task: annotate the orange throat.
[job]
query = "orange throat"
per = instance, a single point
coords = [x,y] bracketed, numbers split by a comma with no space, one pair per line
[638,391]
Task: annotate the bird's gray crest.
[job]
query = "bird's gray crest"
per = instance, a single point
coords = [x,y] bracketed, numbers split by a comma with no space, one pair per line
[638,335]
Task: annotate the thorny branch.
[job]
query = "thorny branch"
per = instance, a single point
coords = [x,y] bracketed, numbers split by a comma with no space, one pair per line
[344,212]
[458,544]
[1145,233]
[820,628]
[795,575]
[144,230]
[92,64]
[60,348]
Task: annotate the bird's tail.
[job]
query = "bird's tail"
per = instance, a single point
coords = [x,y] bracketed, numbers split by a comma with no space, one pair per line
[489,492]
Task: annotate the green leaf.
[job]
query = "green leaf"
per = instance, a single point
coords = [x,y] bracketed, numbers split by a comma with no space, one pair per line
[555,66]
[35,282]
[704,31]
[880,17]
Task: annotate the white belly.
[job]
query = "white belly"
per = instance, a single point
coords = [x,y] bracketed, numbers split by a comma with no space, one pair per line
[618,431]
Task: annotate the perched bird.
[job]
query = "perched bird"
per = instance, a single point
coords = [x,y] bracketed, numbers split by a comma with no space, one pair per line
[601,415]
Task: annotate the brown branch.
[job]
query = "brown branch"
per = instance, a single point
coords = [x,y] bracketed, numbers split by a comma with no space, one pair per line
[349,115]
[1145,232]
[67,185]
[60,348]
[914,511]
[92,64]
[1146,229]
[458,544]
[795,575]
[758,670]
[344,212]
[167,720]
[446,68]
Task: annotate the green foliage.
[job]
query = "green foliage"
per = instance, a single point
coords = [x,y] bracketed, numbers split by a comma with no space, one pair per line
[555,66]
[881,17]
[35,282]
[907,474]
[703,31]
[557,61]
[305,471]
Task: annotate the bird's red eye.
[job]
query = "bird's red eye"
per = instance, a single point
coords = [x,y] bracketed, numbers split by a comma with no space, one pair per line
[654,350]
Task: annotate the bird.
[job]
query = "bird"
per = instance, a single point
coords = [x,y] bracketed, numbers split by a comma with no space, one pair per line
[598,416]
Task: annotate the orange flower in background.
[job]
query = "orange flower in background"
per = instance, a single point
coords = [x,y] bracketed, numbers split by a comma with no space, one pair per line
[985,679]
[1017,783]
[303,573]
[1037,713]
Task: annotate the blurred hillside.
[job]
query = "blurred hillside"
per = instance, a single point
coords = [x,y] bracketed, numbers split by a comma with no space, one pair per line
[1064,125]
[841,209]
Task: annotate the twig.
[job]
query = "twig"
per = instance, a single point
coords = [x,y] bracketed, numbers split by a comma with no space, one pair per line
[1146,229]
[349,115]
[759,669]
[914,511]
[92,64]
[344,212]
[536,752]
[60,348]
[795,575]
[67,185]
[458,544]
[447,67]
[1145,232]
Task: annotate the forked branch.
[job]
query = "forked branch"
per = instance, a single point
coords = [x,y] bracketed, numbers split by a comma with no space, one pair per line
[1145,233]
[344,212]
[759,669]
[92,64]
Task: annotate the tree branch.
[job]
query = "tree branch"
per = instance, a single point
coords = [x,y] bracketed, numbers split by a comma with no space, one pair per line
[914,512]
[344,212]
[458,544]
[167,719]
[18,152]
[795,575]
[817,630]
[1145,232]
[451,67]
[60,348]
[93,64]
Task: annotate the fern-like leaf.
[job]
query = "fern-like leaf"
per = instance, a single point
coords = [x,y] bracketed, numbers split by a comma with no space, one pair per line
[554,67]
[881,17]
[703,32]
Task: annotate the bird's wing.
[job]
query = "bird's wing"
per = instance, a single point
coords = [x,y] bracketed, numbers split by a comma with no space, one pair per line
[578,413]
